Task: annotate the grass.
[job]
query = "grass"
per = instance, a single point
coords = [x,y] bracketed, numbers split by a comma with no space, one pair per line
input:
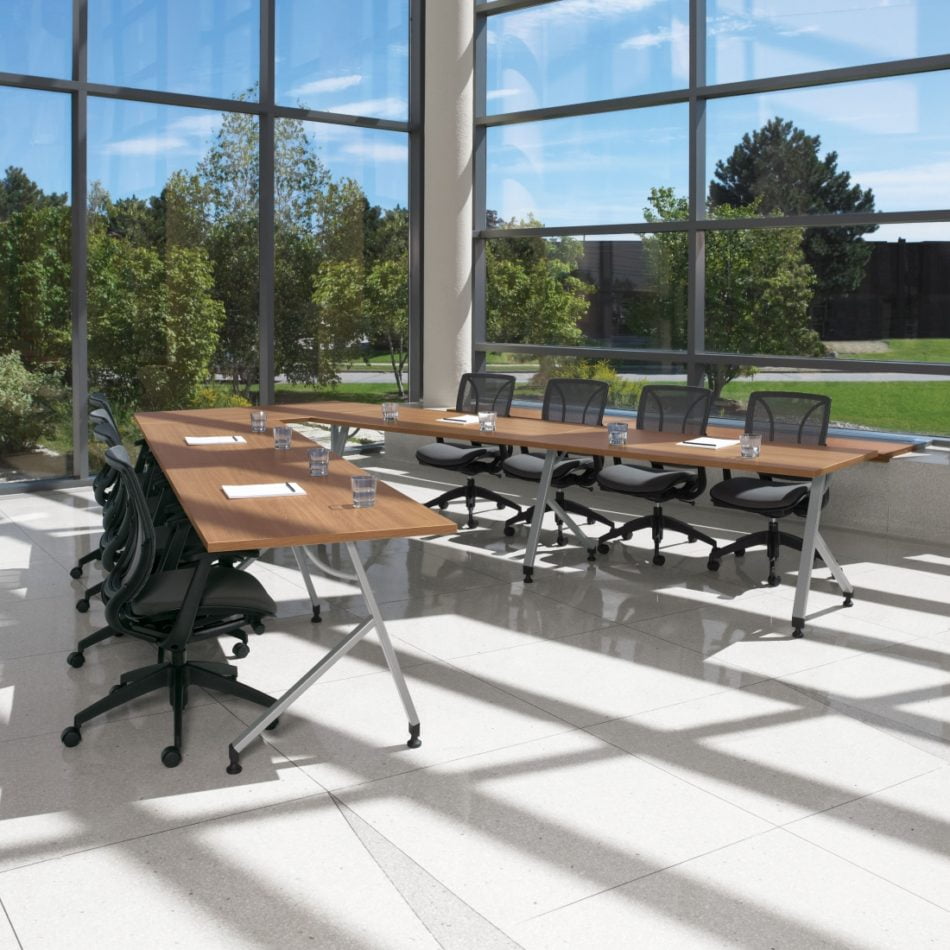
[907,351]
[344,392]
[920,408]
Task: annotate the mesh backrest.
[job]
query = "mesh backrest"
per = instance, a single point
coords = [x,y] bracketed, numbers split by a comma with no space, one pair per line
[485,392]
[575,400]
[103,427]
[101,401]
[683,409]
[794,418]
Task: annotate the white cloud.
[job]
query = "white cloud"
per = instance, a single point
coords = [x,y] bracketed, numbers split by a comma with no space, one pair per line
[330,84]
[387,108]
[200,124]
[677,33]
[529,24]
[377,152]
[502,94]
[908,187]
[146,145]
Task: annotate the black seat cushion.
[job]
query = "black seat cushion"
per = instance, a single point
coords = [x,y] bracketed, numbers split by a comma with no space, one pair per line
[452,455]
[635,480]
[227,589]
[528,465]
[755,494]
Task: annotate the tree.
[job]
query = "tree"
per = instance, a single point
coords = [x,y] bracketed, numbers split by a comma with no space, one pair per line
[758,287]
[779,169]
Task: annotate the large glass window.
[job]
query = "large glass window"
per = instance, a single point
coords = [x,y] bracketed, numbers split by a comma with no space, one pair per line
[349,56]
[35,324]
[36,38]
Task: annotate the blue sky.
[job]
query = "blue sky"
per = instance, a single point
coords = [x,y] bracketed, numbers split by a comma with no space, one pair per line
[351,56]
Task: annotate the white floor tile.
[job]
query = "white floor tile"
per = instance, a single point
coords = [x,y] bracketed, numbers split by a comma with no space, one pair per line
[901,833]
[291,875]
[525,830]
[770,750]
[771,891]
[28,628]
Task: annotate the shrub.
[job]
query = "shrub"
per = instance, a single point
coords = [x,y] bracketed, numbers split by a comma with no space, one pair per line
[27,404]
[622,394]
[210,397]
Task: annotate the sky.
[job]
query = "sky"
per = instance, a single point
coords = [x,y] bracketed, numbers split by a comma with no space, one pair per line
[892,135]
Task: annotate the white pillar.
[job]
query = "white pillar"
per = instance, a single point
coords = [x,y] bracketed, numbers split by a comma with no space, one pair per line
[447,280]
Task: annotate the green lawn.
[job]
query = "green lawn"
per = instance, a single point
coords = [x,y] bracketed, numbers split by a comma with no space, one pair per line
[910,351]
[917,408]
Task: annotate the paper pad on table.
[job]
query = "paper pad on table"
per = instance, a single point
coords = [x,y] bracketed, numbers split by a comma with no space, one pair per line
[708,442]
[215,439]
[262,491]
[460,419]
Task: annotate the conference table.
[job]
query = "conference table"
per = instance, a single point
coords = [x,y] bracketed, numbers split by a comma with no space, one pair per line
[322,515]
[525,428]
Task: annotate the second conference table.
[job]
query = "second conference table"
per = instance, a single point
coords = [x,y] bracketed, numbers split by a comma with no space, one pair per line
[524,428]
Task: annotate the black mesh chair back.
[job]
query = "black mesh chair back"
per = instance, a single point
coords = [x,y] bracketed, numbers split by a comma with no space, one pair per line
[485,392]
[796,418]
[683,409]
[581,401]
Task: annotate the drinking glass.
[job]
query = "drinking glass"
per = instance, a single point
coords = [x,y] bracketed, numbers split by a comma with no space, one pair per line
[364,491]
[616,433]
[750,445]
[390,411]
[319,460]
[282,437]
[486,421]
[258,420]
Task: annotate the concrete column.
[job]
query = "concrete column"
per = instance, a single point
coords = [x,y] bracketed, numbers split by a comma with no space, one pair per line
[447,280]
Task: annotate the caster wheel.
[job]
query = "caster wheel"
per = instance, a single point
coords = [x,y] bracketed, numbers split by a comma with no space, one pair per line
[603,548]
[75,659]
[627,535]
[591,520]
[171,757]
[258,628]
[712,565]
[773,581]
[691,538]
[240,650]
[659,560]
[499,505]
[509,531]
[71,737]
[76,573]
[273,725]
[740,552]
[82,605]
[443,505]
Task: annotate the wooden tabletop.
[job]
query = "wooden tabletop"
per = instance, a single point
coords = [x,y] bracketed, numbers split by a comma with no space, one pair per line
[325,515]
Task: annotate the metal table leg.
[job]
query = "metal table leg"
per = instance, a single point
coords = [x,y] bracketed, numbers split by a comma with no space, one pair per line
[534,532]
[268,719]
[338,438]
[304,569]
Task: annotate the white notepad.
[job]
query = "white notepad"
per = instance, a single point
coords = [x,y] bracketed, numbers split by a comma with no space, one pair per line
[215,439]
[262,491]
[462,420]
[708,442]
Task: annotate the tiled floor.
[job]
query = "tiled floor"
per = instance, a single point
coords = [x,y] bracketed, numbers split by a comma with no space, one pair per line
[618,756]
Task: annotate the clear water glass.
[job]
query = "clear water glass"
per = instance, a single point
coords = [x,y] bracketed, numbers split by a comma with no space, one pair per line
[258,420]
[616,433]
[364,491]
[319,460]
[486,421]
[750,445]
[282,437]
[390,411]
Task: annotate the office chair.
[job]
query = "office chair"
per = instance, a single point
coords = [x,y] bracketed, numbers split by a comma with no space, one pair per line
[685,411]
[478,392]
[792,418]
[170,608]
[580,401]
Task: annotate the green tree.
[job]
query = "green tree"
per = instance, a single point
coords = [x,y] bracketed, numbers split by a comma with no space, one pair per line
[780,170]
[758,287]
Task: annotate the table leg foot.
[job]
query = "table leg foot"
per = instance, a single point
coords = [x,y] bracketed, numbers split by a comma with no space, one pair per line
[316,618]
[414,740]
[234,766]
[847,599]
[798,628]
[528,571]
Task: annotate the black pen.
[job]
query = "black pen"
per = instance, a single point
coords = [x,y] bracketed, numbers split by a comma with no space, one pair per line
[235,438]
[291,487]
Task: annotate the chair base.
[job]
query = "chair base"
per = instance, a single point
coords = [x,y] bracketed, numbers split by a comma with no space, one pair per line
[571,507]
[470,492]
[772,538]
[658,523]
[176,675]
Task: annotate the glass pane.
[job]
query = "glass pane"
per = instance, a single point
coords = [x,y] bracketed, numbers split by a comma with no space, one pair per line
[342,232]
[596,169]
[880,145]
[37,38]
[578,51]
[777,38]
[349,56]
[607,292]
[199,47]
[173,255]
[35,324]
